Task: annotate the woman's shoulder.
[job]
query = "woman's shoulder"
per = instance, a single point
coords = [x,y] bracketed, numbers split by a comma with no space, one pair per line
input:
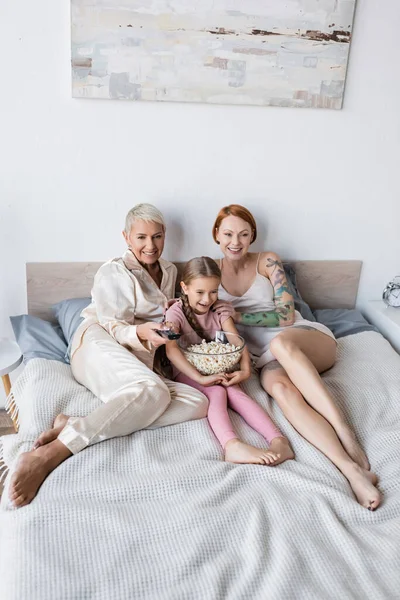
[112,267]
[268,260]
[111,275]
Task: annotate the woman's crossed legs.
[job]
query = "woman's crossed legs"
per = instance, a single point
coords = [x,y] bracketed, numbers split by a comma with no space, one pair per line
[294,382]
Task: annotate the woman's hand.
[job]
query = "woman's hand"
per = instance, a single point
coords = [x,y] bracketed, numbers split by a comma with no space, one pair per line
[216,379]
[236,377]
[170,303]
[147,332]
[222,307]
[237,317]
[226,308]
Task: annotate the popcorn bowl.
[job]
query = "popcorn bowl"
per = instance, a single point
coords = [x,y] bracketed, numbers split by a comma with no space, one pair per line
[220,352]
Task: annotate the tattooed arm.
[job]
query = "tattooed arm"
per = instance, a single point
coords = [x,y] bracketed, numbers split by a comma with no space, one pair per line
[283,314]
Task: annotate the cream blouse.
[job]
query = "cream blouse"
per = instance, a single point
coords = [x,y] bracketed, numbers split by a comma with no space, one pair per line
[123,296]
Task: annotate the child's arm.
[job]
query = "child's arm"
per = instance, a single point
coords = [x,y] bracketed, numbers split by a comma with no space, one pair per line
[183,365]
[245,364]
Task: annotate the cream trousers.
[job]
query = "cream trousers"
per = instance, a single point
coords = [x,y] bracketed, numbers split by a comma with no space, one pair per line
[134,397]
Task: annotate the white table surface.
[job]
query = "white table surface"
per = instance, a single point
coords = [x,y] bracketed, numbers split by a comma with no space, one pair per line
[386,319]
[10,356]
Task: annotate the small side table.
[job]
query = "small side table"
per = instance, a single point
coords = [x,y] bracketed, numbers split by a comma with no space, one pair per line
[386,319]
[10,359]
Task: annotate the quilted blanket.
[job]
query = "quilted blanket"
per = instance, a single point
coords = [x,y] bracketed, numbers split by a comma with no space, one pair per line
[160,515]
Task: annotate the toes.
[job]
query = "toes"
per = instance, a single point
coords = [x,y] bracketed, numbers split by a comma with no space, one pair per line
[19,501]
[373,504]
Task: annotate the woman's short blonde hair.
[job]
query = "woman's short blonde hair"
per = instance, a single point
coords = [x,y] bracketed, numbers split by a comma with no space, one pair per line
[143,212]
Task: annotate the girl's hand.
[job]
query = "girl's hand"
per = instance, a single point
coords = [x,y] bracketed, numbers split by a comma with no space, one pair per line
[236,377]
[217,379]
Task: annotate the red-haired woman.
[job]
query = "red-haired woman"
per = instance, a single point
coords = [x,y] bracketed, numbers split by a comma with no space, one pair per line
[290,352]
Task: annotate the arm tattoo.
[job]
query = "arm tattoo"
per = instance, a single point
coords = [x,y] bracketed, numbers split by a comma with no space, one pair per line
[270,318]
[284,309]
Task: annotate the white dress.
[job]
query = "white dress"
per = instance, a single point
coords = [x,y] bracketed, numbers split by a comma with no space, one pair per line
[259,298]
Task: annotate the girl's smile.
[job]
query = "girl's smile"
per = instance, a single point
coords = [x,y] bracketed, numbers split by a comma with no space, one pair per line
[202,293]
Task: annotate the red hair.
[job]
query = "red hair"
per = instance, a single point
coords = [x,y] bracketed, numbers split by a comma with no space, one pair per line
[235,210]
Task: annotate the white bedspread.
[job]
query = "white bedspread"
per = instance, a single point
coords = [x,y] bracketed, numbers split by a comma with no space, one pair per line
[159,515]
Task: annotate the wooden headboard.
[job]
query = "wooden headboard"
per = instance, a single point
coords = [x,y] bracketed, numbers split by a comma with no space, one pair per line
[322,283]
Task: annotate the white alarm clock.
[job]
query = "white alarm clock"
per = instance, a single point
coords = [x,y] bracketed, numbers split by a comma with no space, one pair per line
[391,293]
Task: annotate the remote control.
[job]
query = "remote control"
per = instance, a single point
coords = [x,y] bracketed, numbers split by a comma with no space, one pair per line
[168,333]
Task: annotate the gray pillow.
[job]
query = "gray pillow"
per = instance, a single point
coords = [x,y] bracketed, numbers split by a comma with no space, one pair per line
[299,304]
[68,314]
[343,321]
[38,338]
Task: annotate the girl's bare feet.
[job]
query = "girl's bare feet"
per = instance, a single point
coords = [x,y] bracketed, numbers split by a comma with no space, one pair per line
[281,446]
[32,469]
[353,448]
[51,434]
[363,484]
[239,452]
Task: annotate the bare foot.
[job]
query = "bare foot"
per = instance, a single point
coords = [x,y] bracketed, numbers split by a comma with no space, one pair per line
[363,484]
[32,469]
[51,434]
[353,448]
[239,452]
[281,446]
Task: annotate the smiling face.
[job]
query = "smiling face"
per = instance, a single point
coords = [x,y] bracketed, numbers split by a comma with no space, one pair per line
[202,292]
[234,236]
[146,240]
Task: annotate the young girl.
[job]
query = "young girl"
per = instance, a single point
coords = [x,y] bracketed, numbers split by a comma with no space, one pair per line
[200,281]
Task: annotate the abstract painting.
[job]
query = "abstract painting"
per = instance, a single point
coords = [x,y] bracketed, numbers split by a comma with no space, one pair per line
[255,52]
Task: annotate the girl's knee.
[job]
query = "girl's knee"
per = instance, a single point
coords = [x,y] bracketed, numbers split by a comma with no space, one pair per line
[217,393]
[218,398]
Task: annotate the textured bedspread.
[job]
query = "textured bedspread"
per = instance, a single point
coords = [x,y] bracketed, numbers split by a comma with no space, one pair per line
[159,515]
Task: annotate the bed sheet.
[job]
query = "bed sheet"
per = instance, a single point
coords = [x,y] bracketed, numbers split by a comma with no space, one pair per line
[160,515]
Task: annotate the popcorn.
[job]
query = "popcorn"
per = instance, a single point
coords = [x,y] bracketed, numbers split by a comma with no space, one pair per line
[210,358]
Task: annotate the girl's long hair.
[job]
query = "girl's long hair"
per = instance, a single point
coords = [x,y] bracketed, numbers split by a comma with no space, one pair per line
[203,266]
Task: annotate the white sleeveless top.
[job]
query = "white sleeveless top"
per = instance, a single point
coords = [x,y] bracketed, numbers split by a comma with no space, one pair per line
[258,298]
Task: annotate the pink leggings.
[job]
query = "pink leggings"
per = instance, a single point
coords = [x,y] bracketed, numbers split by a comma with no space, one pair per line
[241,403]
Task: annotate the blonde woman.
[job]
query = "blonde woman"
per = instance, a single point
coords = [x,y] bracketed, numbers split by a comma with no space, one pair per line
[112,355]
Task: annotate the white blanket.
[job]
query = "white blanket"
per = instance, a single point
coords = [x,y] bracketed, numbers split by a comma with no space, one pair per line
[160,515]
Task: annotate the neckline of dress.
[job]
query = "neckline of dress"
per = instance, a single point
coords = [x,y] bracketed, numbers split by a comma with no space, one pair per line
[248,289]
[130,258]
[252,283]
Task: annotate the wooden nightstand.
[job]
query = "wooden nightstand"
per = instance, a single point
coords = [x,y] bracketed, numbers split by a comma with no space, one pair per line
[386,319]
[10,359]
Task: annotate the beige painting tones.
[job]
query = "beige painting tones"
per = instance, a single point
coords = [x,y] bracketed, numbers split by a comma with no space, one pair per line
[264,53]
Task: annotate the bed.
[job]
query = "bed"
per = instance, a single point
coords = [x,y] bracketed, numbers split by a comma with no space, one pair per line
[160,515]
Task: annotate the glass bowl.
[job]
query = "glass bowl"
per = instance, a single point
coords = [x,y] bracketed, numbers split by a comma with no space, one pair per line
[220,352]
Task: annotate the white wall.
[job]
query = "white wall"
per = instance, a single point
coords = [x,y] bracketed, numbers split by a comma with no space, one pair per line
[323,184]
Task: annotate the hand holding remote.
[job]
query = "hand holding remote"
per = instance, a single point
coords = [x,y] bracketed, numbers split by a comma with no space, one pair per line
[168,332]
